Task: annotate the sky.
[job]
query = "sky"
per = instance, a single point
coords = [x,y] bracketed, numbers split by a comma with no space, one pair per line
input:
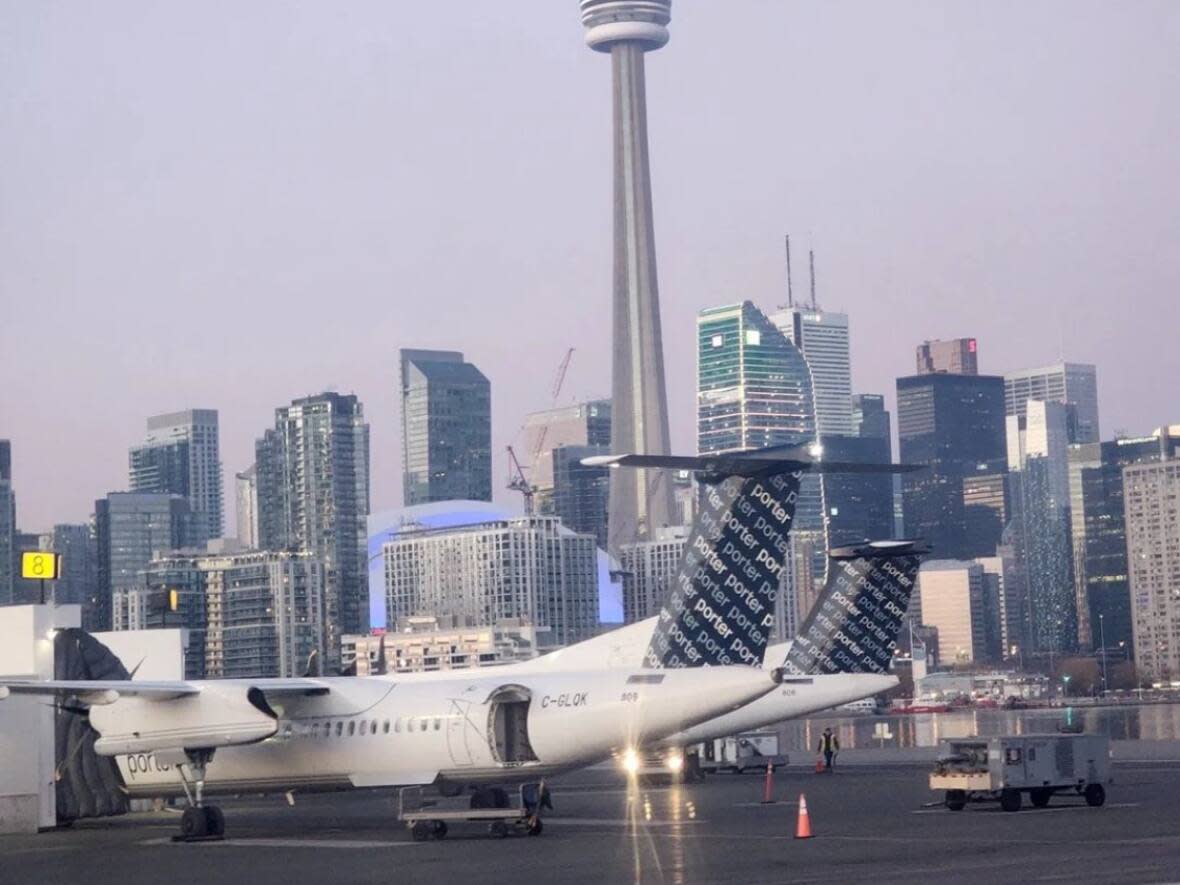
[229,205]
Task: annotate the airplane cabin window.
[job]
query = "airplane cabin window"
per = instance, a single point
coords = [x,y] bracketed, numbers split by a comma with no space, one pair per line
[385,726]
[352,728]
[373,727]
[364,727]
[397,725]
[339,729]
[437,724]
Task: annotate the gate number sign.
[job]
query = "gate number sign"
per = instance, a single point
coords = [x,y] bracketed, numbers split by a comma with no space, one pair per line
[40,565]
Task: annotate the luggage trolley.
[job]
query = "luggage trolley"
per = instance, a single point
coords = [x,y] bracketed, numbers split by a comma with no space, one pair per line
[427,819]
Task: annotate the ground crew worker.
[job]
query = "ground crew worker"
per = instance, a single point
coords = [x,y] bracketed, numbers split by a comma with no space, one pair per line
[829,745]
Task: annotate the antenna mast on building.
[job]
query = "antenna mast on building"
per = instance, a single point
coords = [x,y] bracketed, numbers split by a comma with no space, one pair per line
[790,293]
[811,261]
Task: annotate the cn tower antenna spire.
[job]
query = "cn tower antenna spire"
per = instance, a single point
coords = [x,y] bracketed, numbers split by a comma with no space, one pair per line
[790,293]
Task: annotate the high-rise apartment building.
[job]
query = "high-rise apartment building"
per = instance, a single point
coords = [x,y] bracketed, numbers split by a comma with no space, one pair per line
[1151,496]
[1004,592]
[582,424]
[246,501]
[530,570]
[446,408]
[1038,471]
[313,495]
[822,337]
[859,505]
[647,568]
[985,500]
[952,424]
[250,614]
[956,356]
[9,568]
[581,493]
[1099,534]
[1073,384]
[130,527]
[181,456]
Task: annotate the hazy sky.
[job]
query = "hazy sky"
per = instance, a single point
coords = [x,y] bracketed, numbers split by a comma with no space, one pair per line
[227,204]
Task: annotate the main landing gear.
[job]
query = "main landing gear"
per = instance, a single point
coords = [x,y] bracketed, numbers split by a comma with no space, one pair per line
[200,822]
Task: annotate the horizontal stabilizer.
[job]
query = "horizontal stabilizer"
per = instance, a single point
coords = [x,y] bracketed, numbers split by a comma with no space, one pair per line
[745,465]
[854,625]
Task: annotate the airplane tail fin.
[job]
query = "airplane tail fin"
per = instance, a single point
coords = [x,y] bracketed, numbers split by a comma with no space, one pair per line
[854,625]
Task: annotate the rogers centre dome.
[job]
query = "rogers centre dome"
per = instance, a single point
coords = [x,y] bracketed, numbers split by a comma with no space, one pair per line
[637,21]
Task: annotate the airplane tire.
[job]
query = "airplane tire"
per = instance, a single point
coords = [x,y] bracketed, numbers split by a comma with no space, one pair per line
[1010,800]
[214,821]
[1095,795]
[193,823]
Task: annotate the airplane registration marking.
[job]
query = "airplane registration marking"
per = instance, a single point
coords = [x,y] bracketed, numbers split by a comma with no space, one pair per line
[566,699]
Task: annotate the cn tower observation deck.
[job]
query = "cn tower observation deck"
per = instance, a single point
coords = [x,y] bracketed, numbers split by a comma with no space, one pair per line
[640,501]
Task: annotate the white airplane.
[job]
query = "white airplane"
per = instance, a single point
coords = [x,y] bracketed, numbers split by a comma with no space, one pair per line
[496,726]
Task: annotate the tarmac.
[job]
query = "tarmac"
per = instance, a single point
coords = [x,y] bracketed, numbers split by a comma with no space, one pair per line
[871,822]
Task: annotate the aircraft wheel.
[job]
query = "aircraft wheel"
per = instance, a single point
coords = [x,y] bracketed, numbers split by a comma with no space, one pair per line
[420,831]
[535,827]
[1010,800]
[1040,797]
[1095,795]
[214,821]
[956,800]
[194,823]
[440,829]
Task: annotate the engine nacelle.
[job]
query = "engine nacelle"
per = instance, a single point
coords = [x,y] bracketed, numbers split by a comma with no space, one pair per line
[217,716]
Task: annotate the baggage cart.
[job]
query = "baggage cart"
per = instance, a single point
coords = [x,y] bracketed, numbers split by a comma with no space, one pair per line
[430,818]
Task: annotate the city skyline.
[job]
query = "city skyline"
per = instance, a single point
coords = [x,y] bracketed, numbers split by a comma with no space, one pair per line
[1022,282]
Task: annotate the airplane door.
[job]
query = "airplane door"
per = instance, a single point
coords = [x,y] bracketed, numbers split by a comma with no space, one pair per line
[461,731]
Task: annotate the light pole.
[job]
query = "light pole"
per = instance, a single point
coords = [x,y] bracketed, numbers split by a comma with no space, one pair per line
[1102,642]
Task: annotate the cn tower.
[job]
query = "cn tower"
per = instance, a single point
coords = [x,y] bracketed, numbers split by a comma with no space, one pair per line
[640,500]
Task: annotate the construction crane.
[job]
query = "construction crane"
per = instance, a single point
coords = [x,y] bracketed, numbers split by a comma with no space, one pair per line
[517,481]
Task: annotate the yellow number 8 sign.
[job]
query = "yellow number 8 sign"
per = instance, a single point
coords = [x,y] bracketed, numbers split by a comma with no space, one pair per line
[40,565]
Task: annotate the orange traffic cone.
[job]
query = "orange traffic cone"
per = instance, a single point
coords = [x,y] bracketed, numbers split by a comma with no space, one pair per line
[768,788]
[803,826]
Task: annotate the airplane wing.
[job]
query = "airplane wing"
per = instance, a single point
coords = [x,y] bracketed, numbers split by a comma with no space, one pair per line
[106,691]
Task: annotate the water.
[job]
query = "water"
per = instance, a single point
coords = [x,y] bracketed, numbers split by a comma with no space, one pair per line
[1150,722]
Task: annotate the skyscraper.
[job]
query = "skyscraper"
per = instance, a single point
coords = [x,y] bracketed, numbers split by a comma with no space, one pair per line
[582,424]
[871,418]
[640,501]
[822,337]
[958,356]
[859,506]
[1098,519]
[954,602]
[8,564]
[313,494]
[130,527]
[1038,472]
[181,456]
[1074,384]
[753,385]
[78,548]
[1152,500]
[446,428]
[952,423]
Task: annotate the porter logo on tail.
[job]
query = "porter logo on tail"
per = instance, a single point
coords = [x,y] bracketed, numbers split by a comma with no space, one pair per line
[720,607]
[854,625]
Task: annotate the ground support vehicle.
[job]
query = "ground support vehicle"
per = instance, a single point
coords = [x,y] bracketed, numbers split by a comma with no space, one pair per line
[749,751]
[429,818]
[1008,767]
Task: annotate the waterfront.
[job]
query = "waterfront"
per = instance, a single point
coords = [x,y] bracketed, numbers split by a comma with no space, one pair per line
[1125,722]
